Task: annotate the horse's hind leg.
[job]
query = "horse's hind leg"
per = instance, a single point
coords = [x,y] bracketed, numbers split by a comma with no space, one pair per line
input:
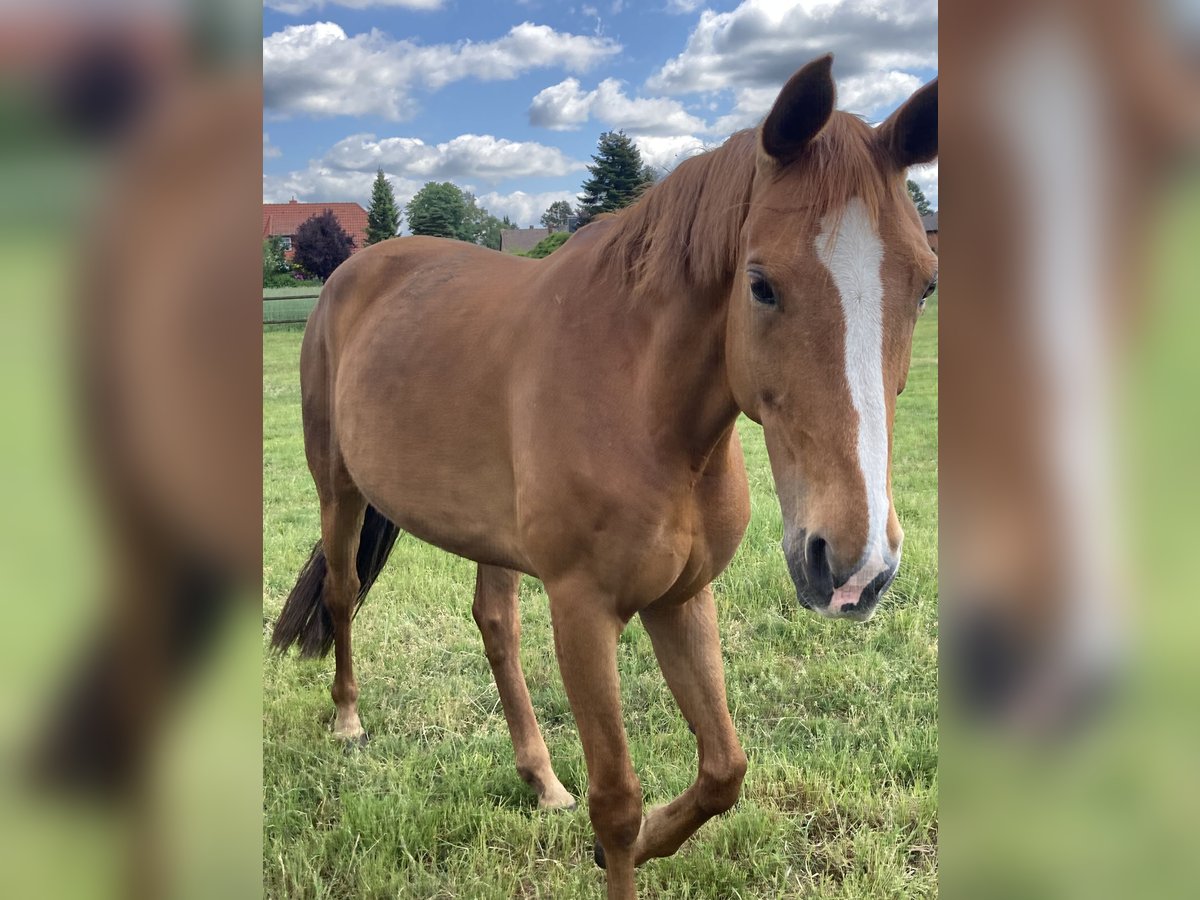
[497,614]
[342,510]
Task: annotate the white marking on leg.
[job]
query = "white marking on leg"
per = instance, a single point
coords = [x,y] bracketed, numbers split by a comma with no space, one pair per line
[853,254]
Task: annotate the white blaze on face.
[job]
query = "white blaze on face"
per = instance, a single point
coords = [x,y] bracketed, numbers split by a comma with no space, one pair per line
[853,254]
[1049,104]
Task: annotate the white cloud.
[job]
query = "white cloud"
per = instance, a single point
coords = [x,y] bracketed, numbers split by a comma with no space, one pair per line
[762,42]
[666,152]
[749,107]
[348,169]
[522,208]
[566,106]
[320,183]
[300,7]
[684,6]
[468,157]
[319,70]
[323,184]
[866,95]
[869,94]
[270,151]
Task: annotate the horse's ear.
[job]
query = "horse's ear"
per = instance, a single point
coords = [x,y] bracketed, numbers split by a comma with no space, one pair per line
[800,111]
[910,134]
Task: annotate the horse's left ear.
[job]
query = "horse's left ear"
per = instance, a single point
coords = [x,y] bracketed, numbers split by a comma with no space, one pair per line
[800,111]
[910,134]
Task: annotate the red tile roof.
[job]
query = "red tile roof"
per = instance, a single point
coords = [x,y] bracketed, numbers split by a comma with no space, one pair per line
[282,219]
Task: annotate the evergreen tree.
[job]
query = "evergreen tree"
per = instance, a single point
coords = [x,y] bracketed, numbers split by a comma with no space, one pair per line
[383,218]
[918,197]
[555,218]
[438,209]
[618,176]
[321,245]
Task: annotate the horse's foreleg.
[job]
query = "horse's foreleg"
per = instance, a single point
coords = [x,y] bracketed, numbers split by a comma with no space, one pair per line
[689,652]
[497,614]
[341,522]
[585,639]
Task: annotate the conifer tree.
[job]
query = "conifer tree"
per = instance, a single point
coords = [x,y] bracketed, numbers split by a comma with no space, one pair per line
[918,197]
[618,176]
[383,218]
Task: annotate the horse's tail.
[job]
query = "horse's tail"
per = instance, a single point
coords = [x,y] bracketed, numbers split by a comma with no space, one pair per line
[305,619]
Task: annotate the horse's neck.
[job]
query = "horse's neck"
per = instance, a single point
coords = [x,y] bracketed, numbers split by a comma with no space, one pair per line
[667,265]
[692,225]
[686,373]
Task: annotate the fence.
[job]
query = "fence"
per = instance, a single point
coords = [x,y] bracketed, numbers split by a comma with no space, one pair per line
[288,306]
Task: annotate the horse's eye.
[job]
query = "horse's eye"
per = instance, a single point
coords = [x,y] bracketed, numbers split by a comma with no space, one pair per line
[928,292]
[761,289]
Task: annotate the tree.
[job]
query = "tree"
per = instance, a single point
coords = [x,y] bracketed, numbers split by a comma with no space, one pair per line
[618,176]
[918,197]
[383,218]
[275,267]
[555,218]
[444,210]
[545,246]
[321,245]
[480,226]
[439,210]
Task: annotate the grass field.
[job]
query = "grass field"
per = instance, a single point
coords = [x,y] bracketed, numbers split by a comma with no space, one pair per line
[839,720]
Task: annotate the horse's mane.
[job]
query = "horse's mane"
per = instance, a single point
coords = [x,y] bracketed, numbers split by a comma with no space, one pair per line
[685,229]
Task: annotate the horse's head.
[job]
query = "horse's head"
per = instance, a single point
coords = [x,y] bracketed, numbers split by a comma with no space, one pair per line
[834,267]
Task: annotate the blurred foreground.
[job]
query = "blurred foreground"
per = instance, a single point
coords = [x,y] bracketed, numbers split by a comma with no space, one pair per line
[1070,429]
[129,453]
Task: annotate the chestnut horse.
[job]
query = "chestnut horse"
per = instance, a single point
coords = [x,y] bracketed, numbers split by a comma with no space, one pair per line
[573,418]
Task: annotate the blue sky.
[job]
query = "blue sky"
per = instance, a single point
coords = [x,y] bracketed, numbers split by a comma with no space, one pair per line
[507,99]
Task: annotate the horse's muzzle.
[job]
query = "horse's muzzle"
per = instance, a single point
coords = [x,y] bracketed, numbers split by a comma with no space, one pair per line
[824,591]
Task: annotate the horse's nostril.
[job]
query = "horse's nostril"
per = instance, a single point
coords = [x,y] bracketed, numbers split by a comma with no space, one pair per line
[817,569]
[986,664]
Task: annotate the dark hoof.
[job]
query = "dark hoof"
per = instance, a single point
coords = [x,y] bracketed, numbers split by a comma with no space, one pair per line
[598,855]
[352,745]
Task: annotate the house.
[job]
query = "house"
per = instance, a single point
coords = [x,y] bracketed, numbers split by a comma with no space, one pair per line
[514,239]
[282,219]
[931,229]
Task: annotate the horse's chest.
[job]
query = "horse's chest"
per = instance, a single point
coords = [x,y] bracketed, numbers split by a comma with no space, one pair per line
[702,536]
[720,523]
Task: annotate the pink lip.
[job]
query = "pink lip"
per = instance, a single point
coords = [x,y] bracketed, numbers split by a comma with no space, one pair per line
[847,595]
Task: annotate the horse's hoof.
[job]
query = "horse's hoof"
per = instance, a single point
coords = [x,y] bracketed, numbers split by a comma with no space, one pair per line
[353,744]
[559,801]
[598,855]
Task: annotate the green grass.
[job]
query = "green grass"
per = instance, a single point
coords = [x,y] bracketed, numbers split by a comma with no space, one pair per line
[839,720]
